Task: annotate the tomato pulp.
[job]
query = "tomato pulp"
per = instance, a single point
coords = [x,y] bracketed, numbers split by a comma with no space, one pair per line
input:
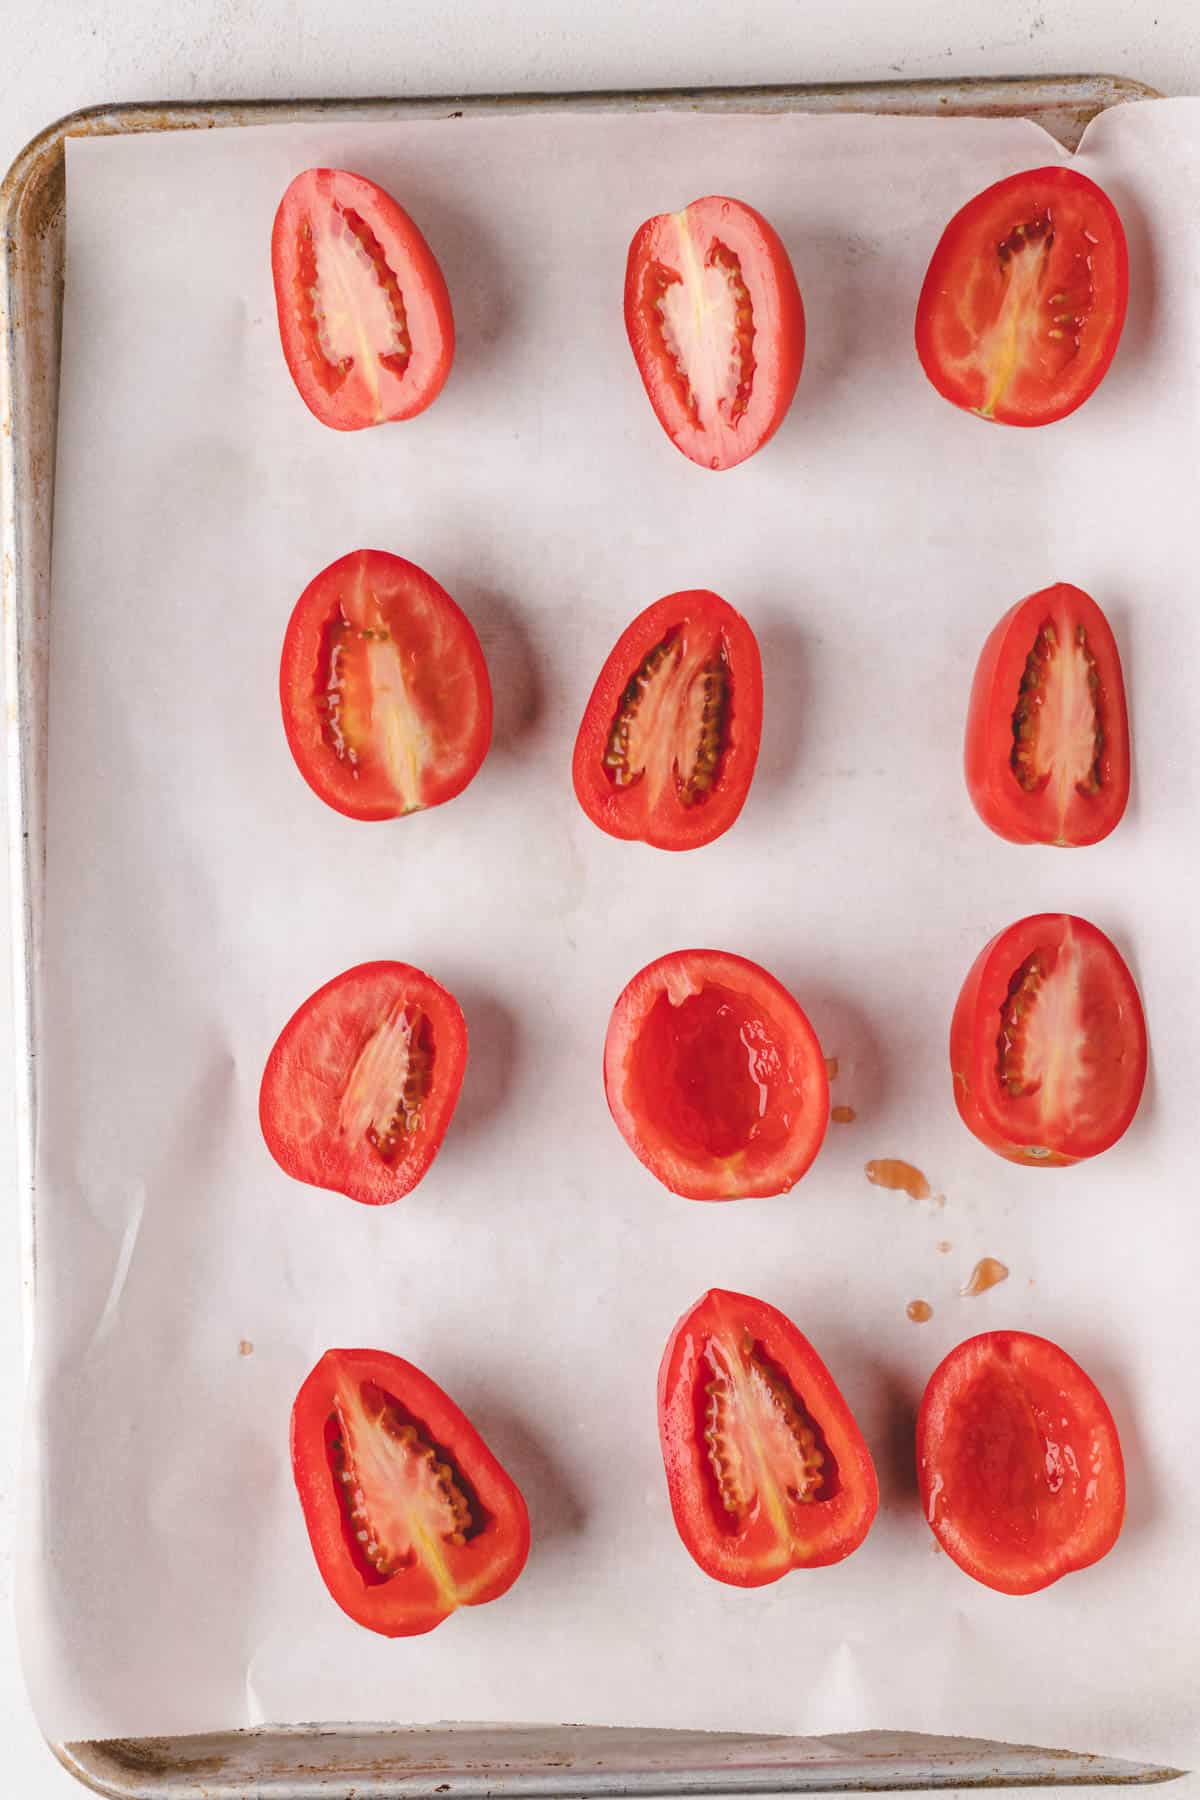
[668,741]
[386,700]
[1048,1042]
[715,1077]
[409,1514]
[716,325]
[364,313]
[1019,1462]
[1024,299]
[1047,750]
[766,1468]
[363,1080]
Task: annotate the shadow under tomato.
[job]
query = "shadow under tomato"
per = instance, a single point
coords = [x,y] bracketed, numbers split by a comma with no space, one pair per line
[492,1055]
[847,1036]
[1142,1502]
[555,1510]
[784,648]
[894,1445]
[1120,613]
[1141,331]
[514,663]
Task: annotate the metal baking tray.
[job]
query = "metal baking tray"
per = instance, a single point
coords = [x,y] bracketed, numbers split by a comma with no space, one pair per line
[387,1761]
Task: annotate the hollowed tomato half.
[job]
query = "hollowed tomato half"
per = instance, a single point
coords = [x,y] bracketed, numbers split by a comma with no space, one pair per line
[364,314]
[1047,750]
[1024,300]
[1019,1462]
[715,1077]
[409,1514]
[1048,1042]
[668,742]
[386,700]
[716,325]
[766,1468]
[363,1080]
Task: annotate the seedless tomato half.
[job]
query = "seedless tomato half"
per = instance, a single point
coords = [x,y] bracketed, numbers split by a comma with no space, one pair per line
[766,1468]
[716,325]
[668,742]
[364,314]
[409,1514]
[386,700]
[1048,1042]
[1047,752]
[715,1077]
[363,1081]
[1024,300]
[1019,1463]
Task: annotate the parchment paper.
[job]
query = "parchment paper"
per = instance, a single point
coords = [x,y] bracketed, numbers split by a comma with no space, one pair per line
[198,891]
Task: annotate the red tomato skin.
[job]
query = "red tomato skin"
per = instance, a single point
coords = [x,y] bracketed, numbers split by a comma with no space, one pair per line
[622,813]
[407,1605]
[995,793]
[292,1086]
[958,249]
[779,354]
[753,1557]
[314,193]
[1080,1405]
[973,1033]
[697,1177]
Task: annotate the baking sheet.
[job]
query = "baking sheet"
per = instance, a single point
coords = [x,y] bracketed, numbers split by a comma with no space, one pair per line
[197,892]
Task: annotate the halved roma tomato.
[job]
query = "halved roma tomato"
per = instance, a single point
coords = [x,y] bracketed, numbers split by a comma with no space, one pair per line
[386,700]
[1048,1042]
[766,1467]
[1019,1462]
[668,742]
[1047,753]
[715,1077]
[1024,300]
[363,1080]
[716,325]
[409,1514]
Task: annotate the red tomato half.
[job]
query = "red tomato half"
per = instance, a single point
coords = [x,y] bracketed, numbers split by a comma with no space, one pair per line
[716,325]
[409,1514]
[1024,300]
[1048,1042]
[1047,755]
[364,314]
[386,700]
[363,1081]
[715,1077]
[668,743]
[766,1467]
[1019,1462]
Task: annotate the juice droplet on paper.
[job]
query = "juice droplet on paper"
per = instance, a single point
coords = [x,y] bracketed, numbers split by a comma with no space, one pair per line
[919,1311]
[890,1172]
[843,1115]
[944,1247]
[986,1273]
[831,1067]
[245,1347]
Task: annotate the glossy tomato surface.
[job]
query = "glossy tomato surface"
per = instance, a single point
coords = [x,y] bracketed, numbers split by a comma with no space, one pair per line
[715,1077]
[1024,300]
[716,325]
[1048,1042]
[1047,750]
[363,1080]
[1019,1462]
[364,314]
[386,700]
[668,742]
[409,1514]
[766,1467]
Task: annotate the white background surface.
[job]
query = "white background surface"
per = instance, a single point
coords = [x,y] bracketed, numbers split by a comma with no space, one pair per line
[58,57]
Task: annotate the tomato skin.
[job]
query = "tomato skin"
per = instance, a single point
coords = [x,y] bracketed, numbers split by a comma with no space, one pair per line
[677,1080]
[996,794]
[1017,1128]
[445,674]
[627,812]
[349,393]
[316,1057]
[682,247]
[1035,364]
[755,1550]
[1013,1499]
[411,1601]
